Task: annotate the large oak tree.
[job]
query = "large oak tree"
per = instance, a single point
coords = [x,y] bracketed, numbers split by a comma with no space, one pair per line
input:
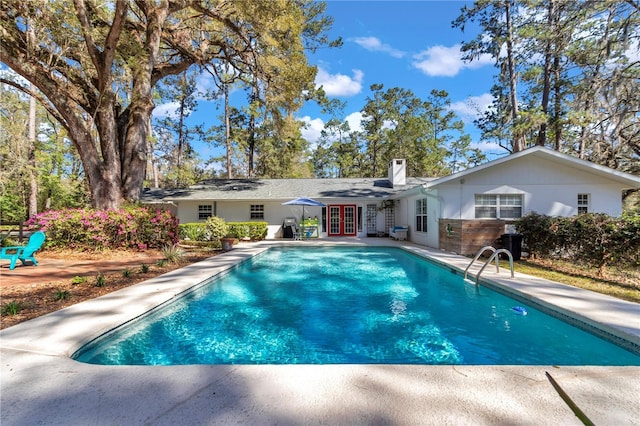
[95,64]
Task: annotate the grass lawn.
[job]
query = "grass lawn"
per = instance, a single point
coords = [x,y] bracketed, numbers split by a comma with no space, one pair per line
[623,284]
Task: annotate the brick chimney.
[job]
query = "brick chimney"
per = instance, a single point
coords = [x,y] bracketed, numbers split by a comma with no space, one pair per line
[397,172]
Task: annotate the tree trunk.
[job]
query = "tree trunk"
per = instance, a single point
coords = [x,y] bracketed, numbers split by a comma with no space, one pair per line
[181,138]
[557,110]
[546,87]
[134,153]
[227,130]
[518,138]
[33,179]
[152,159]
[252,126]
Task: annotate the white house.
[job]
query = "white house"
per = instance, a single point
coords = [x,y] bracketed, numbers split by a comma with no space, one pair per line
[460,212]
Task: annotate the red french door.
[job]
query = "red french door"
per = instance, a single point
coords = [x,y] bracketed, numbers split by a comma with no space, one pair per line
[342,220]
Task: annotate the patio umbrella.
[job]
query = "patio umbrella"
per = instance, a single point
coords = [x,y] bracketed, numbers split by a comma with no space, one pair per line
[303,201]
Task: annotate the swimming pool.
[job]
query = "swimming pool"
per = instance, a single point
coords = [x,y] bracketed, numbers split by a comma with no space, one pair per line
[348,305]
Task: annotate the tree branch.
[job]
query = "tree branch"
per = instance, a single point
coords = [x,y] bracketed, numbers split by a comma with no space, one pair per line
[114,35]
[92,49]
[42,100]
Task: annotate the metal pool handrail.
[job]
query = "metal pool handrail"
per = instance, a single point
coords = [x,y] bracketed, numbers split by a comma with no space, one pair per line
[478,254]
[495,254]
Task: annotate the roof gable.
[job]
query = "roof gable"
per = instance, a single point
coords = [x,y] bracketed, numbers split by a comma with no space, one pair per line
[552,156]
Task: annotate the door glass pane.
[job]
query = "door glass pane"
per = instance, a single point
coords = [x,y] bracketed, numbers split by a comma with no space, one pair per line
[334,220]
[349,220]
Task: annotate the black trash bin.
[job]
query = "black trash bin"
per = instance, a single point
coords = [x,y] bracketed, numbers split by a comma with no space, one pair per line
[513,243]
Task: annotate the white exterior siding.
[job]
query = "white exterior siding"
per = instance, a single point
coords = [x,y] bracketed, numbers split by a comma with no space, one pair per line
[406,215]
[274,213]
[546,190]
[188,210]
[548,181]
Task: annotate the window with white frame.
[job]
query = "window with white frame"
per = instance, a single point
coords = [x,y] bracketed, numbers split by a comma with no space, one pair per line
[205,211]
[421,215]
[583,203]
[498,206]
[257,211]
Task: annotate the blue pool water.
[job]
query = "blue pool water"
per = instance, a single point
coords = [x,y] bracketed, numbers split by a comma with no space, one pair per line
[349,305]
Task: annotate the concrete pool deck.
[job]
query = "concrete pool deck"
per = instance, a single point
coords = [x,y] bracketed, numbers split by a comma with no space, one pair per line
[41,384]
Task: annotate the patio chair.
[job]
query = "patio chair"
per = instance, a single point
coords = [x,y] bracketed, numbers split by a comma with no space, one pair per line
[297,235]
[398,232]
[24,253]
[309,231]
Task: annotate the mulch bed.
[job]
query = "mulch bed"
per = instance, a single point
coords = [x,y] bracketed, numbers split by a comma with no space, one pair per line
[41,298]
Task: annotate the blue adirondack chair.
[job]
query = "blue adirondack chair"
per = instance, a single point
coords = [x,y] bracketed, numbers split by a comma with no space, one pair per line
[24,253]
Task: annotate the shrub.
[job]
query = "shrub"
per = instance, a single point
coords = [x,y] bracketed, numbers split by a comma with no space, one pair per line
[626,238]
[594,239]
[535,231]
[100,280]
[61,295]
[193,231]
[589,235]
[241,231]
[8,242]
[144,268]
[78,280]
[126,273]
[216,228]
[12,308]
[256,231]
[88,229]
[173,254]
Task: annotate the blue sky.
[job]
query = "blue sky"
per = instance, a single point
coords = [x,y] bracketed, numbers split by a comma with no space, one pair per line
[406,44]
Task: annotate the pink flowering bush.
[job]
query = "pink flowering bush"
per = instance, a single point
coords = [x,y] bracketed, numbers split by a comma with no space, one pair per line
[131,227]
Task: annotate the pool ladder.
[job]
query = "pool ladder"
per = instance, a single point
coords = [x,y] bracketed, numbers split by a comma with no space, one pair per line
[494,255]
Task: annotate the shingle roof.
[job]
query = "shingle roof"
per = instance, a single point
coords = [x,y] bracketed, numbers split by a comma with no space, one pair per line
[282,189]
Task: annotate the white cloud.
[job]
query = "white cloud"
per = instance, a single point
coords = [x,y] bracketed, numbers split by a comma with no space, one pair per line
[314,126]
[340,84]
[311,130]
[443,61]
[165,110]
[488,148]
[374,44]
[386,124]
[472,107]
[204,83]
[355,121]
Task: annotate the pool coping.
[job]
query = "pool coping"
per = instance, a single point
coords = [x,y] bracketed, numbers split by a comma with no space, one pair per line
[40,383]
